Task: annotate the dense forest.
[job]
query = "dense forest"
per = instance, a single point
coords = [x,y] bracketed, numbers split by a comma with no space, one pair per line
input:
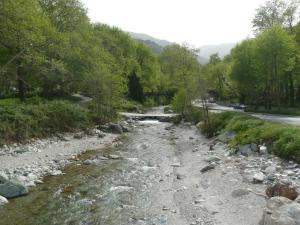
[49,51]
[264,70]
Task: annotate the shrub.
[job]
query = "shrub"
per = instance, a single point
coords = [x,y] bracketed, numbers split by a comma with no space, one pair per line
[19,122]
[284,139]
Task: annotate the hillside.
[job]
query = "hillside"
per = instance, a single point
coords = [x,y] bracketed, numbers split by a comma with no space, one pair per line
[206,51]
[146,37]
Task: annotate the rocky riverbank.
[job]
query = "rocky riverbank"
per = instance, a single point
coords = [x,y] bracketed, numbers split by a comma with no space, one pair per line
[24,165]
[185,178]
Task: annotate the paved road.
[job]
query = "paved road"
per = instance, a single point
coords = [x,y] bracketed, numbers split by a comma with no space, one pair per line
[293,120]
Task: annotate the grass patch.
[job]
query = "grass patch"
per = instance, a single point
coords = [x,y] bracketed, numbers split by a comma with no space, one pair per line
[283,140]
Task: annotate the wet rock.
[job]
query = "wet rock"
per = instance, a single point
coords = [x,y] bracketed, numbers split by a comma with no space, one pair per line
[91,162]
[11,189]
[207,168]
[3,200]
[239,192]
[258,177]
[281,211]
[283,190]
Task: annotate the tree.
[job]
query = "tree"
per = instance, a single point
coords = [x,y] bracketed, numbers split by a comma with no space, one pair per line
[244,72]
[277,51]
[23,33]
[182,70]
[276,12]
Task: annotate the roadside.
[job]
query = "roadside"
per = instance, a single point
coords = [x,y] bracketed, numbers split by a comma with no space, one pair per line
[285,119]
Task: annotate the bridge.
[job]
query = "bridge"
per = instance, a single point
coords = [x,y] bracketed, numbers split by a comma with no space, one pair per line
[149,116]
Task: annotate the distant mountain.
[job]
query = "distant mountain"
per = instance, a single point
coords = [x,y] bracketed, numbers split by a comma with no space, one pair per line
[154,46]
[146,37]
[221,49]
[206,51]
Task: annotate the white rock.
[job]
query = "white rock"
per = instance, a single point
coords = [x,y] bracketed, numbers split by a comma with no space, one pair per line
[258,177]
[263,149]
[3,200]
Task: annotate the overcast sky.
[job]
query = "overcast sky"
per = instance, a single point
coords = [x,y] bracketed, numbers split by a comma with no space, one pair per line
[197,22]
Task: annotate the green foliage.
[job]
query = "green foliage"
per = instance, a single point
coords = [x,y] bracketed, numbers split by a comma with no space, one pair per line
[284,140]
[217,122]
[22,121]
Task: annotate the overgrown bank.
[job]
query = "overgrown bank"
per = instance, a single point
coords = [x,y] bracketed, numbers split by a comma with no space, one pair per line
[38,118]
[280,139]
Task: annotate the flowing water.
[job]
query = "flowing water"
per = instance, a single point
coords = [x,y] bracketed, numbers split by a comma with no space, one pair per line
[109,192]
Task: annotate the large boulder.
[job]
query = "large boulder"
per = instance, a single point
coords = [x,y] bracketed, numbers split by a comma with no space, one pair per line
[11,189]
[281,211]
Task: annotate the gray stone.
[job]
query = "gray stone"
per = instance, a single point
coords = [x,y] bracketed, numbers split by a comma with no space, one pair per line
[10,189]
[90,161]
[281,211]
[115,128]
[213,159]
[258,177]
[270,169]
[207,168]
[254,147]
[114,157]
[245,150]
[239,192]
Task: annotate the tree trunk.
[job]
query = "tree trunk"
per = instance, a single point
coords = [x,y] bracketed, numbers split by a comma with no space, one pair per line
[20,81]
[292,90]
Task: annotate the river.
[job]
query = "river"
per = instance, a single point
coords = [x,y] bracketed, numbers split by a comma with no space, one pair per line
[157,181]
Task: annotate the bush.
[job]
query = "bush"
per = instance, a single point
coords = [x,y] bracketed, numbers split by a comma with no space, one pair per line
[19,122]
[284,140]
[217,122]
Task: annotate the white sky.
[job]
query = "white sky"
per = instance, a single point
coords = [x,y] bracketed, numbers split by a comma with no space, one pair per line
[197,22]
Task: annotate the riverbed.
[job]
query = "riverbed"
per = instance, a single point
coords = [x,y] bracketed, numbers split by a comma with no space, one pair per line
[155,179]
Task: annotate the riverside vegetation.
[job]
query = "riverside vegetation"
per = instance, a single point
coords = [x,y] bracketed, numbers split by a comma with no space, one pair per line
[49,50]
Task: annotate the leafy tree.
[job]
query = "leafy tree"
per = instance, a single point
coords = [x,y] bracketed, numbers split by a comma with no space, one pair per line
[274,12]
[23,33]
[182,71]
